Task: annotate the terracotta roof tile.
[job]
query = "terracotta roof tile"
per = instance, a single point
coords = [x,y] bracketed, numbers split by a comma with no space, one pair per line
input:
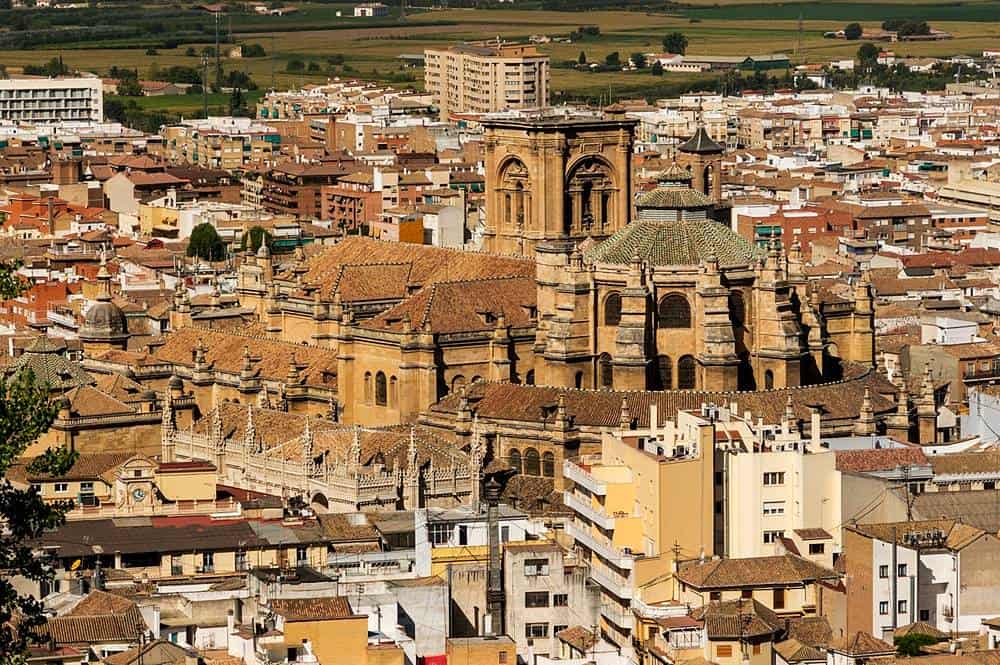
[312,609]
[880,459]
[753,571]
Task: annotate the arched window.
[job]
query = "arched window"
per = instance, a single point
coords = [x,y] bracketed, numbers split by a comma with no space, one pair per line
[529,378]
[548,465]
[380,390]
[606,371]
[613,309]
[686,373]
[368,387]
[457,383]
[393,391]
[665,372]
[514,456]
[737,308]
[709,180]
[532,465]
[674,312]
[476,379]
[768,380]
[578,380]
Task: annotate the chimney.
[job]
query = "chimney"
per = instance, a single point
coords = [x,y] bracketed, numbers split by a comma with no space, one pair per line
[814,426]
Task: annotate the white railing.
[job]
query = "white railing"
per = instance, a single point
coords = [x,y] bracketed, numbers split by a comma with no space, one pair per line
[600,545]
[647,611]
[584,507]
[620,617]
[582,477]
[611,581]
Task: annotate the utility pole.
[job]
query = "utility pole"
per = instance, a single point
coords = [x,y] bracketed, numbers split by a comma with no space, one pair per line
[204,84]
[272,61]
[218,58]
[893,581]
[798,43]
[494,582]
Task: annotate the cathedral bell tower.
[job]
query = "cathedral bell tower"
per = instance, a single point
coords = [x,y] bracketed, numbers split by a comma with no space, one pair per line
[552,178]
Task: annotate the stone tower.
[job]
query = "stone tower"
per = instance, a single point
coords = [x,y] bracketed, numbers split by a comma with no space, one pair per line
[703,158]
[551,178]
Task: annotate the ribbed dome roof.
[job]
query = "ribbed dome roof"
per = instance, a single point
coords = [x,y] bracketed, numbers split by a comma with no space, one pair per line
[682,242]
[673,198]
[674,173]
[104,321]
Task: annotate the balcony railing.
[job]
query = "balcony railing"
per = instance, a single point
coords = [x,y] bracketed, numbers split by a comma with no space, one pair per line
[622,618]
[585,508]
[582,477]
[601,546]
[611,581]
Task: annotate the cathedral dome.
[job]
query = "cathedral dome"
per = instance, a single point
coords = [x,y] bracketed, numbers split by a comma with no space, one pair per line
[104,322]
[674,243]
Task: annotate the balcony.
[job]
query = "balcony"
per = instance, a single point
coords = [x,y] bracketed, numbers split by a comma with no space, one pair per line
[619,616]
[601,546]
[584,507]
[582,477]
[612,582]
[659,611]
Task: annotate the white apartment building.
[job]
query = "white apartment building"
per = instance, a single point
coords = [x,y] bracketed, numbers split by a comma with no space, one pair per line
[41,100]
[486,77]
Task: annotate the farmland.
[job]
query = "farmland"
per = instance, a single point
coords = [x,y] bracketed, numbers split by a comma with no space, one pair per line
[325,44]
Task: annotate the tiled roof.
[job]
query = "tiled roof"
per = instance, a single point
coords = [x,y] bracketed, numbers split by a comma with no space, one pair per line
[451,307]
[736,619]
[578,637]
[862,644]
[811,631]
[312,609]
[426,265]
[878,459]
[602,408]
[976,508]
[813,534]
[919,628]
[681,242]
[99,617]
[88,466]
[51,367]
[88,401]
[700,143]
[955,534]
[673,198]
[753,571]
[987,461]
[270,357]
[793,651]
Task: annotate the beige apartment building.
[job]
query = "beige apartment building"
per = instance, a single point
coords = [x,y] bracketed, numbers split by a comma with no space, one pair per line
[486,77]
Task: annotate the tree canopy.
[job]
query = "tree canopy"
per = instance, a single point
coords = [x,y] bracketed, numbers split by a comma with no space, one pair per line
[26,412]
[675,42]
[853,31]
[206,244]
[253,238]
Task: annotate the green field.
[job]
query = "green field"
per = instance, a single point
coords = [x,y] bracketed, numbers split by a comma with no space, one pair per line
[370,48]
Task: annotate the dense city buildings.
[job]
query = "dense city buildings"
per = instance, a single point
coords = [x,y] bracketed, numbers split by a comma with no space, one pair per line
[457,376]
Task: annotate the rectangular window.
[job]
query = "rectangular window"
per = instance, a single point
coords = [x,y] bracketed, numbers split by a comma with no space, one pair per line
[756,649]
[774,478]
[301,555]
[746,593]
[779,600]
[715,595]
[536,598]
[774,507]
[771,537]
[208,562]
[534,567]
[86,487]
[241,560]
[560,600]
[502,658]
[883,572]
[900,607]
[440,534]
[901,570]
[883,607]
[558,629]
[817,548]
[61,487]
[925,615]
[723,650]
[536,630]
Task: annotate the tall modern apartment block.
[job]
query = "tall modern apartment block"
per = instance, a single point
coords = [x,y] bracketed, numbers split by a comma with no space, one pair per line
[45,100]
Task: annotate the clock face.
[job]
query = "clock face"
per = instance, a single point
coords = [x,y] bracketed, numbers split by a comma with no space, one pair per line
[138,494]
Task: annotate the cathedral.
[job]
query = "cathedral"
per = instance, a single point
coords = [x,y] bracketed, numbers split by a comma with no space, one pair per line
[651,292]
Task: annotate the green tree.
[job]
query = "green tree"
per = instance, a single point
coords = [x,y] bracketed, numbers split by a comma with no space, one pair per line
[913,644]
[675,42]
[656,69]
[254,237]
[613,59]
[868,55]
[205,243]
[253,51]
[582,60]
[295,65]
[129,88]
[853,31]
[26,411]
[638,60]
[236,105]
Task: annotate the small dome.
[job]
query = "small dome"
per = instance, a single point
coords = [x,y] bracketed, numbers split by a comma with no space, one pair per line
[104,322]
[675,243]
[264,252]
[175,382]
[674,173]
[673,198]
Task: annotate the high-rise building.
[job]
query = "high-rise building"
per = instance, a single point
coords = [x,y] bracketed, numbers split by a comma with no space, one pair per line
[45,100]
[487,77]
